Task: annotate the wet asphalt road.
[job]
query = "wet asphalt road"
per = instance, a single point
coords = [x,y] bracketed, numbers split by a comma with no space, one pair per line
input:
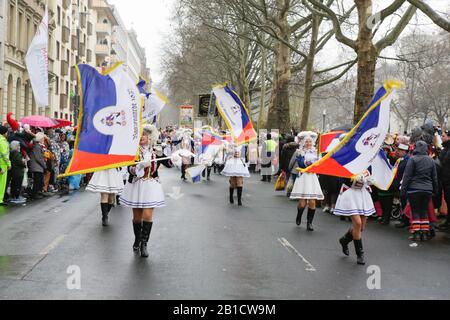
[201,247]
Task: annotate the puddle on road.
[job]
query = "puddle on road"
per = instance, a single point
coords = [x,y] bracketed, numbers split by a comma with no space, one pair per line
[16,267]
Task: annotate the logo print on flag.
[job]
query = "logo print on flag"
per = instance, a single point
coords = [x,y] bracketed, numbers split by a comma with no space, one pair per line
[110,121]
[235,115]
[360,147]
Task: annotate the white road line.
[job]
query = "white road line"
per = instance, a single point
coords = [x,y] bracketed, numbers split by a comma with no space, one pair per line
[289,247]
[53,245]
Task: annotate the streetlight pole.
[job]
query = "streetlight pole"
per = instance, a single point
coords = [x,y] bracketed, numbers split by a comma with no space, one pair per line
[324,116]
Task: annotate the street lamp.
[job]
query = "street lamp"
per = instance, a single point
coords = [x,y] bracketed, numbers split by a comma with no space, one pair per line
[324,116]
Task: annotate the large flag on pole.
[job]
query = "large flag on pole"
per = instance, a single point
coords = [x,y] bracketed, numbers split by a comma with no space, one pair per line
[153,103]
[235,115]
[37,63]
[110,121]
[357,151]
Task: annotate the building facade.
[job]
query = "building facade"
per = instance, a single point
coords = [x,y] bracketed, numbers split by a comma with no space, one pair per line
[2,42]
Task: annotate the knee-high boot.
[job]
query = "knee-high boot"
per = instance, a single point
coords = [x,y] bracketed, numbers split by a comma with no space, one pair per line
[359,252]
[344,241]
[231,195]
[311,213]
[145,235]
[299,215]
[137,228]
[239,194]
[105,211]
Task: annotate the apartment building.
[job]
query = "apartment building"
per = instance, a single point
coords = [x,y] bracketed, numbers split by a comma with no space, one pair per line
[2,42]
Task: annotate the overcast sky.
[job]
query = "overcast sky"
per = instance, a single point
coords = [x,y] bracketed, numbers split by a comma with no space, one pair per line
[151,20]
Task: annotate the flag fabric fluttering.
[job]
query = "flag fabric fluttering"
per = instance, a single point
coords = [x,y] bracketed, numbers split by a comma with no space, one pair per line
[109,123]
[383,172]
[154,103]
[235,115]
[357,151]
[328,140]
[194,174]
[37,63]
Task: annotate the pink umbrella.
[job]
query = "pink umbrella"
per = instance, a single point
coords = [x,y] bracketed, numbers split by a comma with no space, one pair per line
[39,121]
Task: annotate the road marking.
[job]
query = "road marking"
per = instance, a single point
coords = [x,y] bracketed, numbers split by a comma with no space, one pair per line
[53,245]
[290,247]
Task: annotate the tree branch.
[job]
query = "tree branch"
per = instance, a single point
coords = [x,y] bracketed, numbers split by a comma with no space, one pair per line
[432,14]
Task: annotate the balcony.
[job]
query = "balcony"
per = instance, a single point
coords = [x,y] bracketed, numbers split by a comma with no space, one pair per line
[63,101]
[64,68]
[103,28]
[102,50]
[66,4]
[83,20]
[65,34]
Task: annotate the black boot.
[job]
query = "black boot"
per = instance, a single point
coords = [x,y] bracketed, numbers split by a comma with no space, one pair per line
[145,235]
[239,194]
[118,200]
[105,211]
[311,213]
[344,241]
[231,195]
[359,252]
[299,216]
[137,228]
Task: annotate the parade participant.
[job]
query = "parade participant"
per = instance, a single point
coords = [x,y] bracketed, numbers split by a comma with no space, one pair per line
[355,202]
[143,192]
[386,197]
[237,170]
[37,166]
[108,183]
[420,182]
[287,152]
[307,187]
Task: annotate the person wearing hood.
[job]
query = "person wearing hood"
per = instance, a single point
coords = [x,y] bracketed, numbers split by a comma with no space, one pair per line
[420,182]
[444,161]
[5,163]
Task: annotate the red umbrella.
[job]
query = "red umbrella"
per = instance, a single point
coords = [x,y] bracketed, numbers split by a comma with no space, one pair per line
[39,121]
[61,123]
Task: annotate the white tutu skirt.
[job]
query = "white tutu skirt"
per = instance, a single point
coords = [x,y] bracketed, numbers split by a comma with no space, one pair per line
[307,187]
[354,202]
[108,181]
[235,168]
[143,194]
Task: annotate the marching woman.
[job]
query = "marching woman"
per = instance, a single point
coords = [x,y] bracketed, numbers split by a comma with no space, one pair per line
[143,192]
[307,187]
[237,170]
[108,183]
[355,202]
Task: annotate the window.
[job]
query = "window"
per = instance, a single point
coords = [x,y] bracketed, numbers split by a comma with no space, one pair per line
[67,87]
[20,41]
[11,22]
[66,116]
[61,115]
[57,86]
[28,35]
[68,55]
[59,16]
[57,50]
[105,21]
[56,114]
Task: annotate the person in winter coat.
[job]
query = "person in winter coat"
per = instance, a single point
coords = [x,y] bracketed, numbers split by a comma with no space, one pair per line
[5,163]
[403,155]
[288,150]
[420,182]
[37,166]
[17,172]
[444,161]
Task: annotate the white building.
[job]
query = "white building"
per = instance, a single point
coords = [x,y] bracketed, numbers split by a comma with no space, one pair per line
[135,55]
[2,51]
[105,22]
[120,39]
